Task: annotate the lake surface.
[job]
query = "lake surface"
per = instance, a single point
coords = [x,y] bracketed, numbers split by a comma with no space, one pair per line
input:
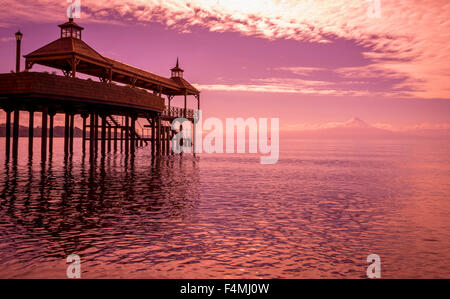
[317,213]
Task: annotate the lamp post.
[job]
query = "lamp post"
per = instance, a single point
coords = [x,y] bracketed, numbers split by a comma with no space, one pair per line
[18,40]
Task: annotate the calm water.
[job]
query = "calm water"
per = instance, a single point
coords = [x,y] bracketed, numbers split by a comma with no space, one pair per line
[319,212]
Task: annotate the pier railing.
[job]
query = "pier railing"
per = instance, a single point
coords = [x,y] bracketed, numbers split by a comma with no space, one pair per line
[176,112]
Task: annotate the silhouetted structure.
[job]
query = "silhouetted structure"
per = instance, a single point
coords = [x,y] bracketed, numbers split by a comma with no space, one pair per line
[117,106]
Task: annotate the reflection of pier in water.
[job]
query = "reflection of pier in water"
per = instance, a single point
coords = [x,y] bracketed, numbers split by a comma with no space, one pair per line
[91,205]
[111,113]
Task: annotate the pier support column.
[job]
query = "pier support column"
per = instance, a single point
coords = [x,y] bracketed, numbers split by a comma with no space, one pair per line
[96,133]
[168,140]
[66,132]
[103,136]
[121,138]
[30,132]
[158,135]
[8,133]
[115,139]
[127,136]
[50,132]
[72,123]
[153,135]
[91,134]
[84,116]
[44,135]
[109,138]
[133,135]
[163,140]
[16,133]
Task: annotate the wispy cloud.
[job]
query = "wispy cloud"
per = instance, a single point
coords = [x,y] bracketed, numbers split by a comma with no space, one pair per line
[411,39]
[6,39]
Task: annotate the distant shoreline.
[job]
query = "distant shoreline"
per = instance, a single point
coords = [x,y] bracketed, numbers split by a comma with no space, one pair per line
[58,131]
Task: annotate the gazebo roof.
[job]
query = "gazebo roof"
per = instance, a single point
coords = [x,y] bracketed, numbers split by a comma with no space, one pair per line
[67,46]
[61,54]
[71,23]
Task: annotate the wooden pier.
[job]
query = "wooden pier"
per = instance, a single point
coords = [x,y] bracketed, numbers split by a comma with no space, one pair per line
[112,108]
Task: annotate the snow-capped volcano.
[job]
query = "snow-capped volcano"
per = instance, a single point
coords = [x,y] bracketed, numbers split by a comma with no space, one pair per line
[355,123]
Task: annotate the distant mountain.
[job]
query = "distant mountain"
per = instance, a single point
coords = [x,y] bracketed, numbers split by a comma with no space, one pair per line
[58,131]
[355,123]
[356,128]
[353,128]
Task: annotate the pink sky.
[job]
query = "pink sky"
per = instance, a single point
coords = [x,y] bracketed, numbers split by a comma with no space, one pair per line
[307,62]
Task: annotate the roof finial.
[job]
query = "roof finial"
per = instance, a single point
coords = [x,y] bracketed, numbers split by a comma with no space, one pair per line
[177,62]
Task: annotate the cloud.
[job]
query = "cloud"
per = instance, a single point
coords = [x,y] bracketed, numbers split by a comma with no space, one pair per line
[6,39]
[291,85]
[411,39]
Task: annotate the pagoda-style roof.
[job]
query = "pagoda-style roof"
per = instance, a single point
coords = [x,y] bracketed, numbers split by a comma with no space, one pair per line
[72,55]
[65,47]
[182,82]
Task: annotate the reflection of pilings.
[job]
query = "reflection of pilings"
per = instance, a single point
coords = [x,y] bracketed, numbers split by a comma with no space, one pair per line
[44,134]
[8,132]
[16,133]
[30,132]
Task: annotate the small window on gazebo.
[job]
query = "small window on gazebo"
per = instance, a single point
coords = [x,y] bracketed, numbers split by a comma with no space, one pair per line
[177,72]
[70,29]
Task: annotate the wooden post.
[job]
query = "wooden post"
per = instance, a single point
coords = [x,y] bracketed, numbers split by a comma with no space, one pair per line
[158,135]
[8,132]
[109,138]
[16,133]
[185,104]
[66,133]
[168,140]
[18,42]
[30,133]
[84,116]
[163,140]
[121,137]
[103,137]
[127,136]
[169,99]
[44,135]
[115,138]
[133,134]
[74,66]
[50,133]
[96,133]
[91,134]
[153,135]
[72,121]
